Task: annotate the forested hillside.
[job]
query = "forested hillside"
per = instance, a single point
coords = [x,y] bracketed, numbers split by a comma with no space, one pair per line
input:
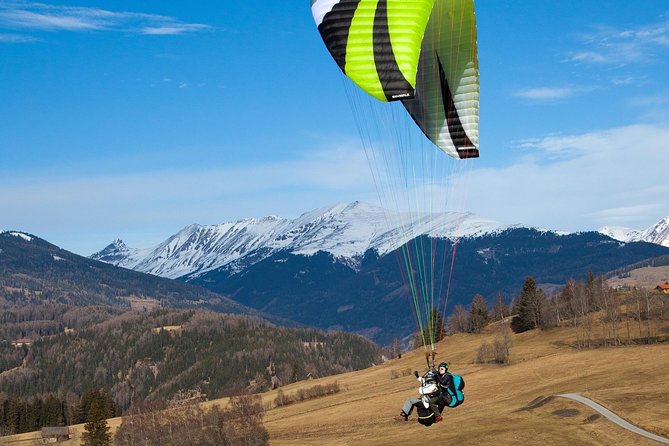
[164,354]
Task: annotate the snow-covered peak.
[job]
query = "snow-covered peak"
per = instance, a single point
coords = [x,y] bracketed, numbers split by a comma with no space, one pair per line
[346,230]
[658,233]
[117,253]
[622,234]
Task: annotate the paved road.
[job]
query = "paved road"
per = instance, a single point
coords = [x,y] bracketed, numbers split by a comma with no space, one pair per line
[613,417]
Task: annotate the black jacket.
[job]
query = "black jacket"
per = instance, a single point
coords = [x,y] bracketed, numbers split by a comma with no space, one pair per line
[444,381]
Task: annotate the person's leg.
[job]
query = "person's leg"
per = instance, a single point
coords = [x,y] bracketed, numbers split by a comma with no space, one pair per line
[408,406]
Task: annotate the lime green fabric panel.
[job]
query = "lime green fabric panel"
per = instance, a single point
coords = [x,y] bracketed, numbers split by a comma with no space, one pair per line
[459,56]
[407,20]
[401,41]
[456,33]
[360,64]
[449,45]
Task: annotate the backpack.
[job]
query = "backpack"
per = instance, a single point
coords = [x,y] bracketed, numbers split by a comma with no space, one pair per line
[455,391]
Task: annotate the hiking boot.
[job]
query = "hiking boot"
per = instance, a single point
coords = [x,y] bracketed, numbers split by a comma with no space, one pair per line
[438,418]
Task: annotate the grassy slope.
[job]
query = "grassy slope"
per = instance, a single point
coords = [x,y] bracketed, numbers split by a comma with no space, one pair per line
[646,277]
[631,381]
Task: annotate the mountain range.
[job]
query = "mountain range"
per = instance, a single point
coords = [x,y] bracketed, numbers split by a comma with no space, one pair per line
[337,267]
[346,231]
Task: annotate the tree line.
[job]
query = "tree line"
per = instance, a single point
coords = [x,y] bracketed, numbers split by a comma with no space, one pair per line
[161,354]
[627,316]
[159,424]
[18,415]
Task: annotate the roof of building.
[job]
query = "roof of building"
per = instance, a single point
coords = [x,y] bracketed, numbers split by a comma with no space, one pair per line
[55,430]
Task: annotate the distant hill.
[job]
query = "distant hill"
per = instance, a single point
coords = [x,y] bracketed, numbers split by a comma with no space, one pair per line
[365,295]
[33,270]
[646,274]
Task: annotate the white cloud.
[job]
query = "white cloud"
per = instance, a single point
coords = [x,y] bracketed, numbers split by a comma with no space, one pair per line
[44,17]
[546,94]
[627,214]
[589,57]
[614,177]
[165,201]
[174,29]
[16,38]
[607,45]
[610,177]
[651,100]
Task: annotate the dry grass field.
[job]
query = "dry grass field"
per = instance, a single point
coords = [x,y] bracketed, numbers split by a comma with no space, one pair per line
[647,277]
[631,381]
[510,404]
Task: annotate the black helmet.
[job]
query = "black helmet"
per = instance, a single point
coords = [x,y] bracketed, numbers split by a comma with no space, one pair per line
[444,365]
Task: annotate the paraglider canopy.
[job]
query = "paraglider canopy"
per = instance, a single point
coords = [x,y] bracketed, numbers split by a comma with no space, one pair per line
[422,52]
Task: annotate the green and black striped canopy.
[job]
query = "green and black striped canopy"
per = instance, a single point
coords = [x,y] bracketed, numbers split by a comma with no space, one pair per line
[422,52]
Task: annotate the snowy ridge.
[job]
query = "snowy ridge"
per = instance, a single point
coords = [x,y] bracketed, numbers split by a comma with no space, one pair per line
[22,235]
[622,234]
[346,231]
[658,233]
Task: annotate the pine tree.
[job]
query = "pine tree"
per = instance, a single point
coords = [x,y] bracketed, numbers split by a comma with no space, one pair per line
[53,411]
[434,332]
[437,325]
[478,314]
[528,307]
[96,429]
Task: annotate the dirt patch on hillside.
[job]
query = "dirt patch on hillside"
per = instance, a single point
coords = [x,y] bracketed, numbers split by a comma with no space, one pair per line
[592,418]
[566,412]
[538,402]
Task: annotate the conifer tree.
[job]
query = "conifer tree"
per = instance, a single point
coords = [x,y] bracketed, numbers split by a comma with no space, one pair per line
[434,332]
[528,307]
[96,429]
[478,314]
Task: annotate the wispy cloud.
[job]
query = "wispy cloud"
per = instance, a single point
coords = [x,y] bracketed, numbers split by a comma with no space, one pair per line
[611,177]
[172,29]
[545,93]
[661,99]
[44,204]
[29,16]
[626,214]
[550,94]
[607,45]
[16,38]
[608,177]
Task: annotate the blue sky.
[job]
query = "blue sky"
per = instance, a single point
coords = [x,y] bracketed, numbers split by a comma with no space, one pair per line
[131,120]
